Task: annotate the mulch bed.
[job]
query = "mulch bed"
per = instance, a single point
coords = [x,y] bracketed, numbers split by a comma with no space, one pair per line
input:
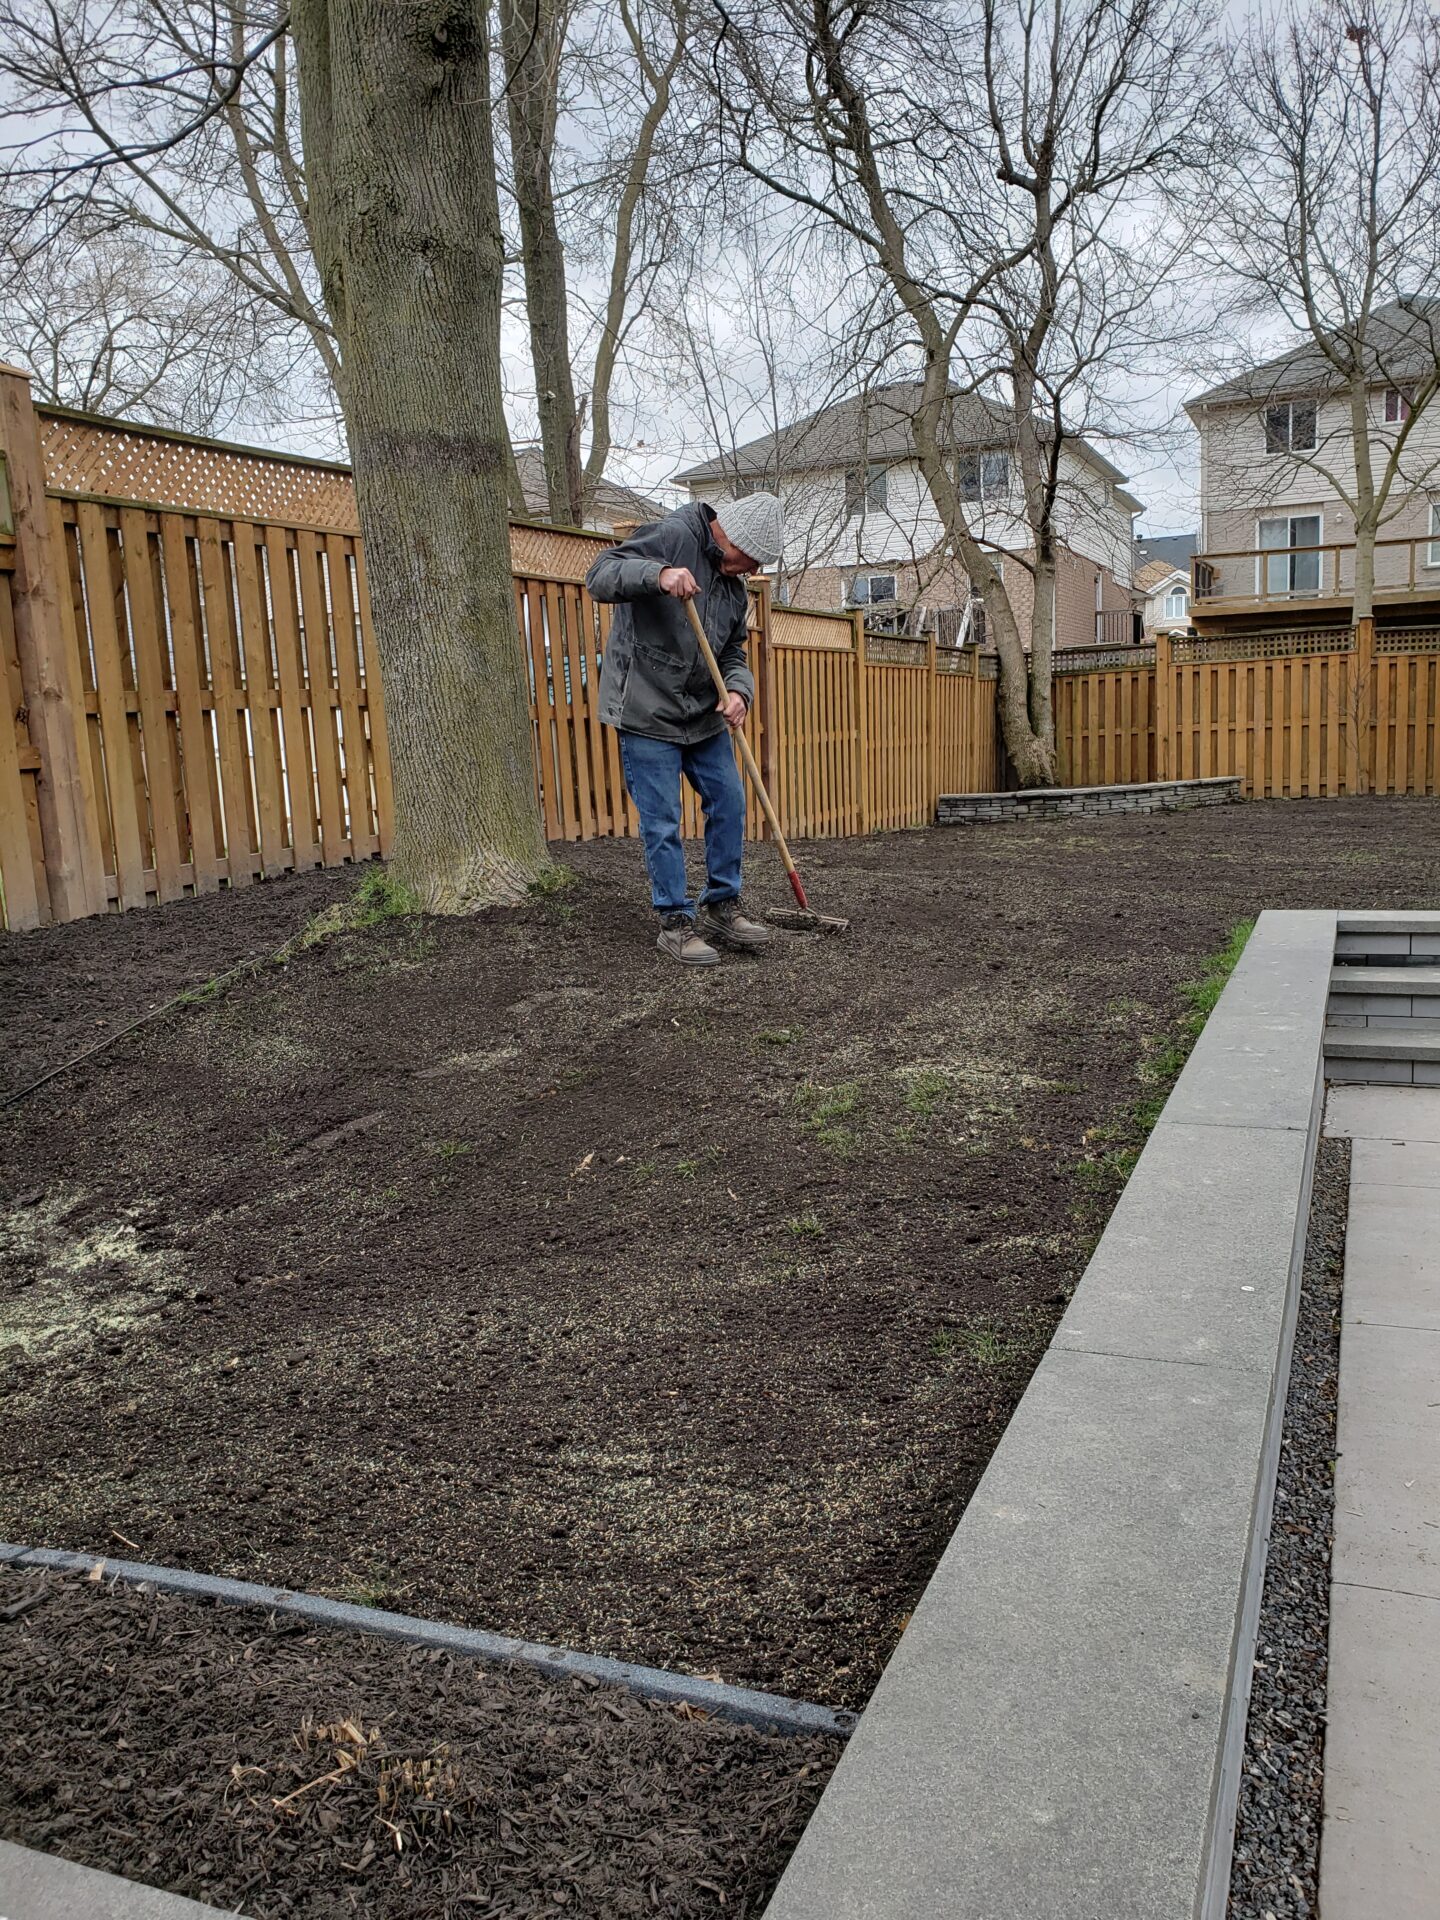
[497,1271]
[255,1764]
[1276,1869]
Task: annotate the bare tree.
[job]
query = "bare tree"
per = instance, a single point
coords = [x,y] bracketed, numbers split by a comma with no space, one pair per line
[177,124]
[1019,240]
[115,324]
[1323,208]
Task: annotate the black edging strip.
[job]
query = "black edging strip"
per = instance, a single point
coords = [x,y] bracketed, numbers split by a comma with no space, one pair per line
[770,1712]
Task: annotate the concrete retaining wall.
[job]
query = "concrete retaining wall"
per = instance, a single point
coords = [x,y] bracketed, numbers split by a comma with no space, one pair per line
[1151,796]
[1059,1732]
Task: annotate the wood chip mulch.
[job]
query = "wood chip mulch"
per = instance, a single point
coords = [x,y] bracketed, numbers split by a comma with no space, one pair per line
[258,1764]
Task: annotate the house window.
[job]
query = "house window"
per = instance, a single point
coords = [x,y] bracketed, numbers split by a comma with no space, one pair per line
[741,488]
[983,476]
[1432,553]
[870,590]
[1397,406]
[1287,572]
[1290,427]
[866,490]
[1177,604]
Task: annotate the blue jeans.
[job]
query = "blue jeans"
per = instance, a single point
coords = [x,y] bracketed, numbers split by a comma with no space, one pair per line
[653,770]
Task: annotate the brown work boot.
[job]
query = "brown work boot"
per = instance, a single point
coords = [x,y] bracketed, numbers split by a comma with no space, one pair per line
[679,939]
[727,926]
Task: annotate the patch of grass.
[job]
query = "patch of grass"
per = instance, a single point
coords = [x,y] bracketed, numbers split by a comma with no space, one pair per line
[925,1091]
[642,1171]
[1161,1066]
[555,879]
[827,1112]
[805,1226]
[779,1036]
[549,887]
[379,897]
[452,1149]
[983,1343]
[1203,992]
[687,1169]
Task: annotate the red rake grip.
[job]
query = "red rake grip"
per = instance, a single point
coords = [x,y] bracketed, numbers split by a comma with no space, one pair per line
[798,890]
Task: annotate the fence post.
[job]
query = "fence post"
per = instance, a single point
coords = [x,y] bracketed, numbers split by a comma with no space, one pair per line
[765,695]
[932,729]
[1165,746]
[862,723]
[49,677]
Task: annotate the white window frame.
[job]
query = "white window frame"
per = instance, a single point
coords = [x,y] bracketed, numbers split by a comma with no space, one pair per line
[871,491]
[985,489]
[1263,555]
[1403,406]
[1181,593]
[1432,551]
[854,599]
[1288,407]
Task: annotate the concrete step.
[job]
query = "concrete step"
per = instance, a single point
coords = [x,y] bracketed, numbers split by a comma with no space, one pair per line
[1392,945]
[1424,978]
[1415,1040]
[1397,922]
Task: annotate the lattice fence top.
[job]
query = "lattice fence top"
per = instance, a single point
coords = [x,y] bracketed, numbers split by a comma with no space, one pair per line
[1097,659]
[152,467]
[797,627]
[1262,646]
[1407,639]
[559,553]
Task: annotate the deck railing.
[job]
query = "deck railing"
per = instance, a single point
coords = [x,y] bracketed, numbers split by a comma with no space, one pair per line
[1273,576]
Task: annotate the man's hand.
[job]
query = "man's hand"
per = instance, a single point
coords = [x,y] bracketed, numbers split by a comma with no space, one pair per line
[679,582]
[734,709]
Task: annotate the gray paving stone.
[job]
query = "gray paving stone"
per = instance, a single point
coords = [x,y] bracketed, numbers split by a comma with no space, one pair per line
[1392,1257]
[1382,1113]
[1395,1163]
[38,1886]
[1256,1064]
[1196,1262]
[1387,1474]
[1043,1741]
[1380,1849]
[1347,944]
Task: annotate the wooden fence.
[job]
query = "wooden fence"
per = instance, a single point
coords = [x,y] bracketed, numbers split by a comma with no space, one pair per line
[196,698]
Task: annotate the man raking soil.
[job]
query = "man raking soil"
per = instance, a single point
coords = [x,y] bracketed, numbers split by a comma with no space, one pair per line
[656,690]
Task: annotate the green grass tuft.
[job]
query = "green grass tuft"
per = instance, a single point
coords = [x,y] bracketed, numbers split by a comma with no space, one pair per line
[827,1112]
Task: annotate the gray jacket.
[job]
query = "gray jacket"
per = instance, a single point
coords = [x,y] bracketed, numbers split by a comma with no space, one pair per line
[652,679]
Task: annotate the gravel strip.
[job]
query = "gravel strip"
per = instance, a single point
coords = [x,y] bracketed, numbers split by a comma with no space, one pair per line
[1276,1869]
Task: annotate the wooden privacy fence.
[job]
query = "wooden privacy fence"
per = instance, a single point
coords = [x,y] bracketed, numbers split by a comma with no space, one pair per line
[1302,716]
[196,699]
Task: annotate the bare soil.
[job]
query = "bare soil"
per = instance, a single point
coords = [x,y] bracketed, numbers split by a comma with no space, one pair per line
[497,1270]
[264,1767]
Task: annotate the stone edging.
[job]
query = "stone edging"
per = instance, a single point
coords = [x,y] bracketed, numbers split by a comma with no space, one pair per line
[1060,1729]
[1050,803]
[771,1712]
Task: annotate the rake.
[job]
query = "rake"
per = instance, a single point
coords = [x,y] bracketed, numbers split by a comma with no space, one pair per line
[803,919]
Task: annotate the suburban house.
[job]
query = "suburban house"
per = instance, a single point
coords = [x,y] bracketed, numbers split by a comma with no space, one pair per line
[1162,581]
[612,505]
[1277,537]
[861,529]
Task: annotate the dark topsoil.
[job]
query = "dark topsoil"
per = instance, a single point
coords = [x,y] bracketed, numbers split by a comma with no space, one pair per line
[497,1270]
[260,1765]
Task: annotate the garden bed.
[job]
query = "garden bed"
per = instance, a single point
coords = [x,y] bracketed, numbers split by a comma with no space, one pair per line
[244,1761]
[494,1271]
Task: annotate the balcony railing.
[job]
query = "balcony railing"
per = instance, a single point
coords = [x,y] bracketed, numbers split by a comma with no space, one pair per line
[1275,576]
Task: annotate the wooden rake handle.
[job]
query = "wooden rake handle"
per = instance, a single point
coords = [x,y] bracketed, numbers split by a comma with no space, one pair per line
[707,653]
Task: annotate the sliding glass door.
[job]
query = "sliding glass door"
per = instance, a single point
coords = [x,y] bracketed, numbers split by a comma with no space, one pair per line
[1287,572]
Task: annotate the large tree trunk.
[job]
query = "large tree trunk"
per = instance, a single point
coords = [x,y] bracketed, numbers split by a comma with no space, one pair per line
[531,35]
[401,170]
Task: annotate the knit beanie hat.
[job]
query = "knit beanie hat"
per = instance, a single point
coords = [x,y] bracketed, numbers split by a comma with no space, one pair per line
[755,524]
